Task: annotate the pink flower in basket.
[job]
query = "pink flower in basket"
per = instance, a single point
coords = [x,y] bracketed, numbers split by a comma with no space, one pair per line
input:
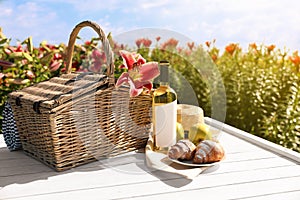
[140,73]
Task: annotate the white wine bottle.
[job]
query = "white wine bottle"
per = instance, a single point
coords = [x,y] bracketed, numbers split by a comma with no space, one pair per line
[164,111]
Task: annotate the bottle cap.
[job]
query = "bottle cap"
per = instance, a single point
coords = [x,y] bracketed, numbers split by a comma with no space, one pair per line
[164,71]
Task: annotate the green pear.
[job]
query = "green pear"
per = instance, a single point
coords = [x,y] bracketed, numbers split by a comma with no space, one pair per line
[199,132]
[179,131]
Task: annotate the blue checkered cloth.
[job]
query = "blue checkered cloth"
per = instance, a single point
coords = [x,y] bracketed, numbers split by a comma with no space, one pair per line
[9,129]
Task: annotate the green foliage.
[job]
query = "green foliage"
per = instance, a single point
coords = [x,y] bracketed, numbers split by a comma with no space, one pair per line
[262,88]
[24,65]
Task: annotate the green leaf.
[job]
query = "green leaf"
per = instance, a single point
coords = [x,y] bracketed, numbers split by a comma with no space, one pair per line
[21,55]
[44,45]
[47,58]
[29,44]
[27,56]
[3,41]
[110,39]
[17,55]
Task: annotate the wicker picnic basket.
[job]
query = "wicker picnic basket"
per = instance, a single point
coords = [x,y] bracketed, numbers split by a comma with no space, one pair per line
[77,118]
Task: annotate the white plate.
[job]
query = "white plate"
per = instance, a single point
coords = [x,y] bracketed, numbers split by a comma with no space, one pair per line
[191,164]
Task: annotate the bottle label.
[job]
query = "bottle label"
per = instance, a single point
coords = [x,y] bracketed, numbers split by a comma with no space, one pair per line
[165,124]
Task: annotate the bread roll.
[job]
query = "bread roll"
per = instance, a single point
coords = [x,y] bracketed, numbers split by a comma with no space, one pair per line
[208,151]
[183,149]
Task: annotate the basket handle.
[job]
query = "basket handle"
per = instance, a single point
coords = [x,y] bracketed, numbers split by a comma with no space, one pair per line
[107,49]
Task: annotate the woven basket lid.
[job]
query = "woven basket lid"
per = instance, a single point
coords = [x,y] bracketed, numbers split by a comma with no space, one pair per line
[59,90]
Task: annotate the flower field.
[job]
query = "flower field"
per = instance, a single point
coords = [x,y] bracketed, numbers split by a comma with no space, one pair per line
[261,84]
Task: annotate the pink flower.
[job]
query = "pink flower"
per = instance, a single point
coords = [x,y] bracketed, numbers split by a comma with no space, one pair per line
[131,59]
[30,74]
[187,52]
[191,45]
[19,49]
[140,73]
[170,44]
[87,43]
[147,43]
[98,55]
[57,56]
[8,51]
[96,66]
[55,65]
[138,43]
[143,41]
[98,60]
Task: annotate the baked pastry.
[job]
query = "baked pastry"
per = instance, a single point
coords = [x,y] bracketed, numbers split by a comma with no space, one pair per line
[183,150]
[208,151]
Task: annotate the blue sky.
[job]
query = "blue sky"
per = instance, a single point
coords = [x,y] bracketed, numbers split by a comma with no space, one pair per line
[240,21]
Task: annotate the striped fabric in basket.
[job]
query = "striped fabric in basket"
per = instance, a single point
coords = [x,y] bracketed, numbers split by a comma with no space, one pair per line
[9,129]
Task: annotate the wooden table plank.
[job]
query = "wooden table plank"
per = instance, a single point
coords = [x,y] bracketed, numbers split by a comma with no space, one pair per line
[230,192]
[131,174]
[266,173]
[291,195]
[227,185]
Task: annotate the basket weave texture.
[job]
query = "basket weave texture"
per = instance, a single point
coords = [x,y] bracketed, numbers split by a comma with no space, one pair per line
[76,118]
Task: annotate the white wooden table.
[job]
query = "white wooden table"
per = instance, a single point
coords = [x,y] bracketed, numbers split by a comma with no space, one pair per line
[253,169]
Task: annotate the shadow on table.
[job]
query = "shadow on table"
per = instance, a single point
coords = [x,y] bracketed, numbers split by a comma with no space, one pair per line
[173,179]
[17,167]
